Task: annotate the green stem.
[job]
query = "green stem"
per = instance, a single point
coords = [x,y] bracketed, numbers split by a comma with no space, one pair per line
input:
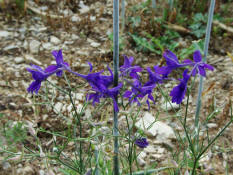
[130,146]
[78,120]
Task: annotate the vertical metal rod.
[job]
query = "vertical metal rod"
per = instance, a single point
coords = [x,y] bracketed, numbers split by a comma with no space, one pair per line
[206,47]
[171,4]
[153,4]
[116,68]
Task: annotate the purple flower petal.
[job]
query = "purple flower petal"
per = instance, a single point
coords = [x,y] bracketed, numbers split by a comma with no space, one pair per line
[178,92]
[128,69]
[207,66]
[141,142]
[187,61]
[127,94]
[91,67]
[38,68]
[59,73]
[171,58]
[51,68]
[58,56]
[197,56]
[34,87]
[202,71]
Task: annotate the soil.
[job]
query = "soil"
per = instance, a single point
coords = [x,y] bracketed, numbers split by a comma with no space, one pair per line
[84,37]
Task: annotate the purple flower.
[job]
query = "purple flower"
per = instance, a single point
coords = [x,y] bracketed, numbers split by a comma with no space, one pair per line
[128,69]
[199,65]
[139,91]
[97,80]
[60,63]
[178,92]
[141,142]
[105,93]
[172,62]
[100,84]
[154,77]
[39,75]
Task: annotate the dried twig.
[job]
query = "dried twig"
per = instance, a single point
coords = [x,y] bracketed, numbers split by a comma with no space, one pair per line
[33,9]
[223,26]
[178,28]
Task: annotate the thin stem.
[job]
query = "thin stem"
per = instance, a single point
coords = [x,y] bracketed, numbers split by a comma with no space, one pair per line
[212,141]
[116,68]
[60,89]
[150,171]
[130,146]
[184,124]
[194,166]
[78,120]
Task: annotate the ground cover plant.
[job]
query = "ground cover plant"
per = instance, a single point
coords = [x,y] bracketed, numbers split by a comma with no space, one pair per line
[108,128]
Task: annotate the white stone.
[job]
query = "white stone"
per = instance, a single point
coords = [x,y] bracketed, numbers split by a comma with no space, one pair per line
[10,47]
[95,44]
[157,156]
[32,59]
[104,130]
[6,165]
[28,170]
[169,106]
[145,122]
[53,62]
[212,125]
[69,108]
[4,34]
[75,18]
[58,107]
[160,150]
[19,60]
[150,149]
[142,154]
[64,108]
[84,8]
[93,18]
[164,131]
[55,40]
[34,46]
[25,44]
[79,96]
[141,161]
[42,172]
[79,107]
[47,46]
[74,37]
[159,129]
[87,113]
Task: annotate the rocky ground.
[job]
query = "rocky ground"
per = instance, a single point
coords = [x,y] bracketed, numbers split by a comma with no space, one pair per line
[82,34]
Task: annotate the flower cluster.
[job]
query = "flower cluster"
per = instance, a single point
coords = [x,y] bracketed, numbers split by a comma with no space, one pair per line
[141,142]
[102,86]
[39,75]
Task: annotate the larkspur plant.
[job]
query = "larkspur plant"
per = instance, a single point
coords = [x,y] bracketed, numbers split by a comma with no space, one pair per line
[130,84]
[102,85]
